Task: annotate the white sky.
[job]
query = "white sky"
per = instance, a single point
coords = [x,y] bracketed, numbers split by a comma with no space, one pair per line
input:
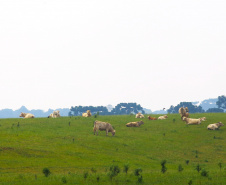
[63,53]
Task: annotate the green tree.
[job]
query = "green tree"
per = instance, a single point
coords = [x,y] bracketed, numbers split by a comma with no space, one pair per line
[215,110]
[192,108]
[221,102]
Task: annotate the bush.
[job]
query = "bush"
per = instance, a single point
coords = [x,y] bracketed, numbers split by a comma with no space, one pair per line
[126,168]
[187,162]
[114,171]
[137,171]
[140,179]
[64,180]
[198,168]
[180,168]
[204,173]
[46,172]
[164,169]
[85,175]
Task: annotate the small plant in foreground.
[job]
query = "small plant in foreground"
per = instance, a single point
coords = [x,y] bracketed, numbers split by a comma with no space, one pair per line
[174,120]
[220,165]
[126,168]
[198,168]
[180,168]
[93,170]
[164,169]
[98,178]
[114,171]
[46,172]
[85,175]
[190,182]
[204,173]
[64,180]
[187,162]
[140,179]
[137,171]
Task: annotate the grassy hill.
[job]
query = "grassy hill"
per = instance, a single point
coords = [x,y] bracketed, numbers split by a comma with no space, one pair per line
[68,148]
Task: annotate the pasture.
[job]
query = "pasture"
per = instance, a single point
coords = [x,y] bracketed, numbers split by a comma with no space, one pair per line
[68,148]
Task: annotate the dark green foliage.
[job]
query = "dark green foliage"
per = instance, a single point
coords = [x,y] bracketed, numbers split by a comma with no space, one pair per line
[214,110]
[98,178]
[46,172]
[64,180]
[220,165]
[192,108]
[137,171]
[180,168]
[126,168]
[114,171]
[190,182]
[127,108]
[187,162]
[93,170]
[163,169]
[85,175]
[221,102]
[78,110]
[174,120]
[198,168]
[204,173]
[140,179]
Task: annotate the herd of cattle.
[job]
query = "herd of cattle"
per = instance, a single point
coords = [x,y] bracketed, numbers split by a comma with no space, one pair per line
[104,126]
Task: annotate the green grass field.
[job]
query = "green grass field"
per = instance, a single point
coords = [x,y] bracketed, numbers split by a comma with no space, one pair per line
[68,148]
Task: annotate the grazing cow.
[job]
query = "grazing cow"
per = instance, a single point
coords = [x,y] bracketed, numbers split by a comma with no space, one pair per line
[26,115]
[215,126]
[152,118]
[163,117]
[203,119]
[87,114]
[183,112]
[99,125]
[139,115]
[135,124]
[55,114]
[191,121]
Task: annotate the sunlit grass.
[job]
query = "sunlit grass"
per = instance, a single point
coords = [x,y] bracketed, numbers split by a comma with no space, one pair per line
[68,148]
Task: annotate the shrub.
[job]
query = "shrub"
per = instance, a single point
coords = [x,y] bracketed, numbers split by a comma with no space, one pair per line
[164,169]
[220,165]
[198,168]
[204,173]
[137,171]
[46,172]
[114,171]
[140,179]
[187,162]
[98,178]
[190,182]
[180,168]
[85,175]
[64,180]
[93,170]
[126,168]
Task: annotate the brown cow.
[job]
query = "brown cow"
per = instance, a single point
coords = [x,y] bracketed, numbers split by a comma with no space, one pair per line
[99,125]
[135,124]
[152,118]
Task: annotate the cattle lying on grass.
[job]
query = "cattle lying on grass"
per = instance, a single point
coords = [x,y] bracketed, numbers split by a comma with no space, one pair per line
[87,114]
[191,121]
[99,125]
[163,117]
[135,124]
[139,115]
[203,119]
[152,118]
[26,115]
[55,114]
[215,126]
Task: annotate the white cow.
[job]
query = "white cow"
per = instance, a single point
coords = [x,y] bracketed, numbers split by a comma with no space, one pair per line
[26,115]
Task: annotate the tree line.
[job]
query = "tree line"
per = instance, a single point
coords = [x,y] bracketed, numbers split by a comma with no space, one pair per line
[134,108]
[120,109]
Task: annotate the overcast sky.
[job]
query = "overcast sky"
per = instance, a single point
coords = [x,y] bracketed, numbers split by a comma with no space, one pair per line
[63,53]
